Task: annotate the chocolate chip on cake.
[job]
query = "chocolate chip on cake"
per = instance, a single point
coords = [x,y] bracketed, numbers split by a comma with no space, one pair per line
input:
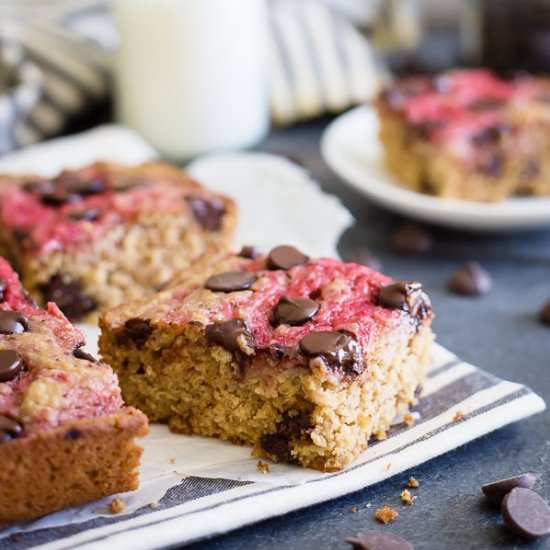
[490,135]
[292,426]
[73,434]
[470,280]
[11,364]
[250,252]
[69,296]
[13,322]
[231,335]
[230,281]
[285,257]
[207,212]
[3,286]
[9,429]
[526,513]
[74,184]
[277,446]
[58,197]
[294,311]
[412,239]
[378,540]
[90,215]
[544,314]
[136,330]
[79,353]
[407,296]
[497,490]
[339,350]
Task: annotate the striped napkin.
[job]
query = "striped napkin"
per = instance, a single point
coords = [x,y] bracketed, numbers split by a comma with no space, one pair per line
[193,487]
[56,57]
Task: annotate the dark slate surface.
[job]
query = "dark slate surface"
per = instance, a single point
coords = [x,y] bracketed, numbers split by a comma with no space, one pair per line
[498,332]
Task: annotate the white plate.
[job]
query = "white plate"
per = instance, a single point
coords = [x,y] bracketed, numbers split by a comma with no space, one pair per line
[350,146]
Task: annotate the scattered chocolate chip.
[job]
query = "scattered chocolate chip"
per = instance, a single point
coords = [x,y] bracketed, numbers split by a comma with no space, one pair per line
[69,296]
[412,239]
[526,513]
[285,257]
[492,164]
[278,351]
[339,350]
[230,281]
[250,252]
[497,490]
[9,429]
[73,434]
[207,212]
[3,287]
[11,364]
[231,335]
[90,215]
[79,353]
[407,296]
[486,104]
[378,540]
[13,322]
[294,311]
[136,330]
[365,257]
[470,280]
[544,314]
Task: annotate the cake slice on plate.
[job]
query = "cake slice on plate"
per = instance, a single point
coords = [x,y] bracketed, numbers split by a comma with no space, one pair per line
[92,238]
[65,436]
[304,359]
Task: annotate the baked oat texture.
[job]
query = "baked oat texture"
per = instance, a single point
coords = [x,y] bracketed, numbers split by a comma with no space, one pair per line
[89,248]
[466,134]
[253,385]
[66,437]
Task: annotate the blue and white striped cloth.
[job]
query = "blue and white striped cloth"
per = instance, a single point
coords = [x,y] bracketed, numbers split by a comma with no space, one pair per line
[55,59]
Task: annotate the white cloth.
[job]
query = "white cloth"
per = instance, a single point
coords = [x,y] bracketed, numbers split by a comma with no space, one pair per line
[57,54]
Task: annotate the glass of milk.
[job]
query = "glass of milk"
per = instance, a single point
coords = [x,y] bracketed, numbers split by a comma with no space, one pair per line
[191,75]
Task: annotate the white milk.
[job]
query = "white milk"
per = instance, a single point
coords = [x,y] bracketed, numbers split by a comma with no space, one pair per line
[191,74]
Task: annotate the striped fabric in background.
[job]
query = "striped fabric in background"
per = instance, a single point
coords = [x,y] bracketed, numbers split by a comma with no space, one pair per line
[55,60]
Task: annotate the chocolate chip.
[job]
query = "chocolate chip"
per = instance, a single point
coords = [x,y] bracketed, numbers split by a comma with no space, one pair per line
[20,234]
[11,364]
[292,426]
[3,286]
[470,280]
[497,490]
[73,183]
[38,187]
[378,540]
[13,322]
[285,257]
[491,135]
[364,256]
[208,212]
[279,351]
[544,314]
[492,164]
[338,350]
[136,330]
[90,215]
[230,281]
[424,130]
[526,513]
[407,296]
[79,353]
[58,197]
[9,429]
[69,296]
[73,434]
[276,446]
[250,252]
[294,311]
[412,239]
[231,335]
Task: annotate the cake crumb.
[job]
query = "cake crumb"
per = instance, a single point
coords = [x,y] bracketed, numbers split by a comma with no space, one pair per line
[154,504]
[171,461]
[408,419]
[263,467]
[406,498]
[388,466]
[459,415]
[413,483]
[354,510]
[386,514]
[381,435]
[117,506]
